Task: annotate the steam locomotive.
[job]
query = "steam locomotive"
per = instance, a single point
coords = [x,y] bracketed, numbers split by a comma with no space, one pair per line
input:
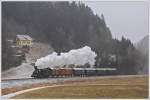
[69,72]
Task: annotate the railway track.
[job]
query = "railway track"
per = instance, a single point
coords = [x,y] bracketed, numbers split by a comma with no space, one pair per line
[73,76]
[8,83]
[16,79]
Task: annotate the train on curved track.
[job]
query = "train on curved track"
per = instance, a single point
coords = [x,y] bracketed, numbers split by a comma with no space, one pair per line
[69,72]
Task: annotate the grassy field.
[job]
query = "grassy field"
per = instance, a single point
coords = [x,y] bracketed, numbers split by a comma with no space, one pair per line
[129,87]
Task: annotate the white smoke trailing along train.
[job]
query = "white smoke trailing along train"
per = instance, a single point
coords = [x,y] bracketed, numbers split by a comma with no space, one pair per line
[78,62]
[76,57]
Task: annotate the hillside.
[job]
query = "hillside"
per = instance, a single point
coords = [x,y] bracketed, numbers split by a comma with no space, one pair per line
[143,47]
[25,70]
[37,51]
[66,26]
[63,25]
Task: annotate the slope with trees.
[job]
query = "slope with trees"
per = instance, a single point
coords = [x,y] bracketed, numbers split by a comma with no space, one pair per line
[65,26]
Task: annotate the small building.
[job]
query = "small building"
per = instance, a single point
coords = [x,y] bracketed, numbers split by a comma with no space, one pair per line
[23,40]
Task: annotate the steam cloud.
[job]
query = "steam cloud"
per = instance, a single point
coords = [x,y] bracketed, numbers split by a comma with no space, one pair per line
[77,57]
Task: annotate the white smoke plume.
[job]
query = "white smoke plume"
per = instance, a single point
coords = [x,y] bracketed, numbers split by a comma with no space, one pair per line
[77,57]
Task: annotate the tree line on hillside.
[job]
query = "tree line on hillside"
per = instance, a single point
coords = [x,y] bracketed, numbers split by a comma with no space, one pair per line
[66,26]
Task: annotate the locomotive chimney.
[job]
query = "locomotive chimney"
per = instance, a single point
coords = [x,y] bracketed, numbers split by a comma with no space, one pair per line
[35,67]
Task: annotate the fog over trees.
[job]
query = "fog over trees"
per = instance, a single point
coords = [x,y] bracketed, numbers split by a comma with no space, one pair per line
[66,26]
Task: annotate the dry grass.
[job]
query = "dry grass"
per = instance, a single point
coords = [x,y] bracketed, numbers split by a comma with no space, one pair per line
[135,87]
[6,91]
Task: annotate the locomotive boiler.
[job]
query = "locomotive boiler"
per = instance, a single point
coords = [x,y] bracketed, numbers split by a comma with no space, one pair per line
[41,73]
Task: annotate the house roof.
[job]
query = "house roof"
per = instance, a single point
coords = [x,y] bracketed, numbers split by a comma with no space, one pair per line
[24,37]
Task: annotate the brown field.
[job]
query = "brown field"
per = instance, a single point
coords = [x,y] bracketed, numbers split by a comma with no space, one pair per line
[129,87]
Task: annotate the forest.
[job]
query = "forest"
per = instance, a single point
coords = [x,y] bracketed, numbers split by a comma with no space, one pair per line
[66,26]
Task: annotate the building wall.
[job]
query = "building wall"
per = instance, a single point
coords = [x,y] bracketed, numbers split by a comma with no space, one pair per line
[24,42]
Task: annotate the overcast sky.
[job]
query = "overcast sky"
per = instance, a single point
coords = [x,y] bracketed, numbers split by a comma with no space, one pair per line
[129,19]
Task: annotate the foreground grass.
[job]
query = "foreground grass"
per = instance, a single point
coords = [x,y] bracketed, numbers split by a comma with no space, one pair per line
[135,87]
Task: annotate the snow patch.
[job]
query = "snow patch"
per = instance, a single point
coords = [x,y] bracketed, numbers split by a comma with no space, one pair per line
[23,71]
